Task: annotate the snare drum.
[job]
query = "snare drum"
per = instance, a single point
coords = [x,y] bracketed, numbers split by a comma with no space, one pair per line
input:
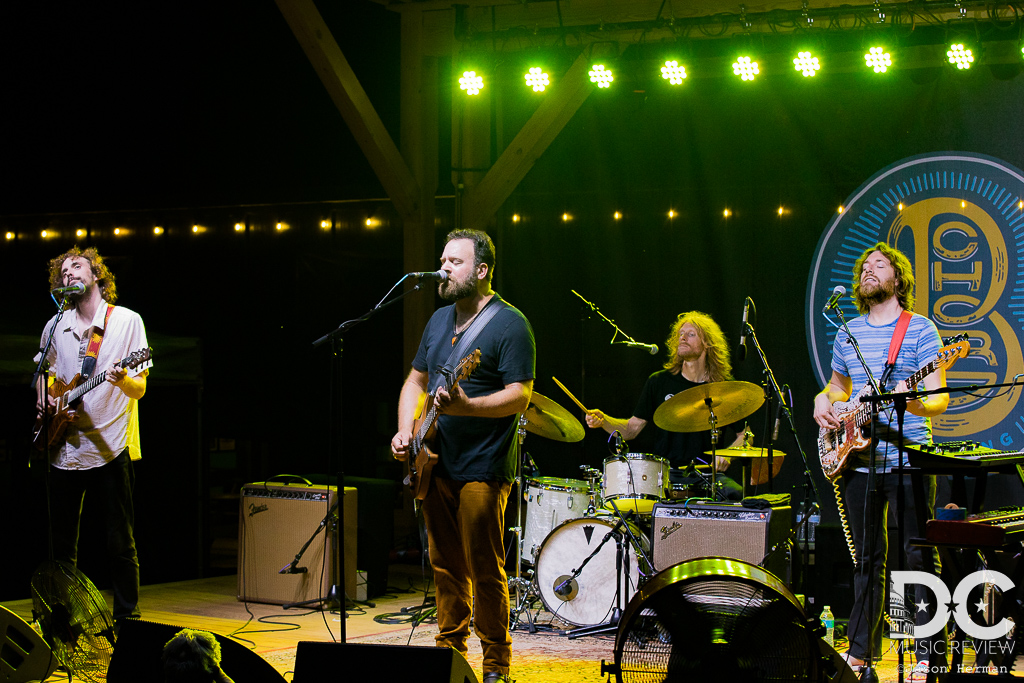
[588,599]
[549,502]
[635,481]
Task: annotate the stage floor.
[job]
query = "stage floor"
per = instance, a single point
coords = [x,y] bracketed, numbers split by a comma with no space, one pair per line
[547,656]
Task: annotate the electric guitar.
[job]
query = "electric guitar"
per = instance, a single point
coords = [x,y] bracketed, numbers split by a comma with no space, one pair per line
[836,445]
[422,455]
[67,395]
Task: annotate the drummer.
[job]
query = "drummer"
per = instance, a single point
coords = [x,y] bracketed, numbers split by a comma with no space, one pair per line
[697,354]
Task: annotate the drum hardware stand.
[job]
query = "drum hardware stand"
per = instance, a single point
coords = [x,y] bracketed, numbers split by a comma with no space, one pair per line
[524,589]
[591,475]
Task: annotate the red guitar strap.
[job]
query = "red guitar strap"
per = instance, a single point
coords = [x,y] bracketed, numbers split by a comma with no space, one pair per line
[93,350]
[897,342]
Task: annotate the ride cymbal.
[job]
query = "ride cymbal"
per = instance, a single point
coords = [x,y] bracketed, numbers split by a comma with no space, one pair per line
[690,410]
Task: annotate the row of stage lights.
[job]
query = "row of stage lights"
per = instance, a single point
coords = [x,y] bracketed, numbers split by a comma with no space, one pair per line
[371,223]
[877,60]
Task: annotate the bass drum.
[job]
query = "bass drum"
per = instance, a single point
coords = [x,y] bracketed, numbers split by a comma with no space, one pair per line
[588,599]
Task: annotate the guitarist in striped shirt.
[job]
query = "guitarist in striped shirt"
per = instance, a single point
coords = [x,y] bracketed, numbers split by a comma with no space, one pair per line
[883,288]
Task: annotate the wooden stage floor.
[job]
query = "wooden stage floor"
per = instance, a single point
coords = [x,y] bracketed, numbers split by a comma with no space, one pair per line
[272,632]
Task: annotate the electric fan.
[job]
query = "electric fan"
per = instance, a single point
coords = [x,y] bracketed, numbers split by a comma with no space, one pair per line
[715,619]
[76,622]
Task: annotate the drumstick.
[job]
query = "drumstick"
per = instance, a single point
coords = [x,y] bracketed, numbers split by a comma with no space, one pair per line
[569,394]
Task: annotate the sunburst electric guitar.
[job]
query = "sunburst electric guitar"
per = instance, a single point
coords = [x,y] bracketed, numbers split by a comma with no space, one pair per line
[66,397]
[836,445]
[422,455]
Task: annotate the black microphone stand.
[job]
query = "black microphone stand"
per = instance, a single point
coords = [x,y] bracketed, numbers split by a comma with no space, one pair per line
[774,391]
[292,567]
[334,451]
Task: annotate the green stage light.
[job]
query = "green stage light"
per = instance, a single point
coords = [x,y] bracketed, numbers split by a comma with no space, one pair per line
[471,83]
[602,76]
[536,79]
[806,64]
[960,56]
[673,73]
[878,59]
[745,69]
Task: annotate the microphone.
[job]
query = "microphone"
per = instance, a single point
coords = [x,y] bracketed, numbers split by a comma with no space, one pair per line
[778,421]
[290,568]
[76,288]
[651,348]
[441,275]
[743,330]
[566,587]
[833,300]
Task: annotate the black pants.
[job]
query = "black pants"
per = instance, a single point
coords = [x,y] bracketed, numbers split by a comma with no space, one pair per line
[110,488]
[865,618]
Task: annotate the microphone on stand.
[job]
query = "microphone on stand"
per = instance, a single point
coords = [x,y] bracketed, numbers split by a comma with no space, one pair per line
[833,300]
[651,348]
[76,288]
[743,330]
[441,275]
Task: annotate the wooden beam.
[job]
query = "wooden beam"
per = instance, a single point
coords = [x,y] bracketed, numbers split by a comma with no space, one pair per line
[481,202]
[351,100]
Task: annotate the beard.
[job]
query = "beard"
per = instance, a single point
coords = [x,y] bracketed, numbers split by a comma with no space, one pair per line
[453,290]
[881,292]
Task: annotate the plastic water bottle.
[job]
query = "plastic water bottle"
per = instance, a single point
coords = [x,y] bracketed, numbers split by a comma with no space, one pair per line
[829,621]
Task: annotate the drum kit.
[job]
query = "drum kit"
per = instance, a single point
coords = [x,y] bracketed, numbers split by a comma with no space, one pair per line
[586,541]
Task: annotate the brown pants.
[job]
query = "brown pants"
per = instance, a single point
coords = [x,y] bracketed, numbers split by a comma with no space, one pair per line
[465,527]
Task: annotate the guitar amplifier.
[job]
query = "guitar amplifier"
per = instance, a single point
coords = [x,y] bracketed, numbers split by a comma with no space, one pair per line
[681,532]
[275,521]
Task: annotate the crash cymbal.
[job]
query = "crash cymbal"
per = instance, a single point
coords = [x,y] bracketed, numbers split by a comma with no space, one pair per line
[546,418]
[745,452]
[688,411]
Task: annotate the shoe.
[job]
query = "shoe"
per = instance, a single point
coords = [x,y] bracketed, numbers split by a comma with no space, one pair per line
[495,677]
[919,674]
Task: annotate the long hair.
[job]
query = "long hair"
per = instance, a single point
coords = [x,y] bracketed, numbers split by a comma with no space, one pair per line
[718,367]
[192,657]
[902,269]
[104,278]
[483,247]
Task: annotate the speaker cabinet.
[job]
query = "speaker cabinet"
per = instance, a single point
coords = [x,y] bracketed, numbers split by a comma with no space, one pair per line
[681,532]
[357,662]
[275,521]
[140,645]
[24,655]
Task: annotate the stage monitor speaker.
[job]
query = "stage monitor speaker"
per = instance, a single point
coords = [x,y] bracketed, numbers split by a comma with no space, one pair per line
[24,655]
[275,521]
[682,532]
[140,645]
[359,662]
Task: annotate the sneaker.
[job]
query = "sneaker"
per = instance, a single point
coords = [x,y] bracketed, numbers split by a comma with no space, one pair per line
[919,674]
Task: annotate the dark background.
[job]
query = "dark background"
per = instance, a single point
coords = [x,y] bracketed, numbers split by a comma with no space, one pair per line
[169,111]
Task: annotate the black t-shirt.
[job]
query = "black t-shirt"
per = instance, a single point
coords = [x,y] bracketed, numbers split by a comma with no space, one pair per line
[681,448]
[479,448]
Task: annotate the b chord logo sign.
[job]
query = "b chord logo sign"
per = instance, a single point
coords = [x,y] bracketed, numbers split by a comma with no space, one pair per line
[959,218]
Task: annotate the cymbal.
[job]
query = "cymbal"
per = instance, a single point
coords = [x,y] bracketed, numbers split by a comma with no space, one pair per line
[688,410]
[745,452]
[546,418]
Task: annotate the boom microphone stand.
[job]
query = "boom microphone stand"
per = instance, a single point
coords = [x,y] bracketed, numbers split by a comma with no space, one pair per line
[334,450]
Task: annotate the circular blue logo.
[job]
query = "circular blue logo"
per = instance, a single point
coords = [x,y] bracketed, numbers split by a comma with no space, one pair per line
[959,218]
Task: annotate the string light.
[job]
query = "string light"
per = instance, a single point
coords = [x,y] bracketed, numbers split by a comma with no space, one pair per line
[515,218]
[158,230]
[617,216]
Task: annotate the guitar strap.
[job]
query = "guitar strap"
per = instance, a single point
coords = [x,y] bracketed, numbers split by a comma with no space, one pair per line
[895,344]
[461,348]
[89,362]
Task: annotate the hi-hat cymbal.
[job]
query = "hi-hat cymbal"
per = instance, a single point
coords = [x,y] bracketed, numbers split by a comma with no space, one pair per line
[690,410]
[546,418]
[745,452]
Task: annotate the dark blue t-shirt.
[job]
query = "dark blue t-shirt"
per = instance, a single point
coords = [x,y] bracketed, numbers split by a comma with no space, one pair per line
[479,448]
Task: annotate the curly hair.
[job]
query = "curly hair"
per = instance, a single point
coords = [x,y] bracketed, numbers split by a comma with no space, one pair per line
[192,657]
[902,269]
[483,247]
[104,278]
[717,363]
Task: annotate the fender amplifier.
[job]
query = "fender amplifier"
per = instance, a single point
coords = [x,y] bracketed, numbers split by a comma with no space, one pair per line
[682,532]
[275,521]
